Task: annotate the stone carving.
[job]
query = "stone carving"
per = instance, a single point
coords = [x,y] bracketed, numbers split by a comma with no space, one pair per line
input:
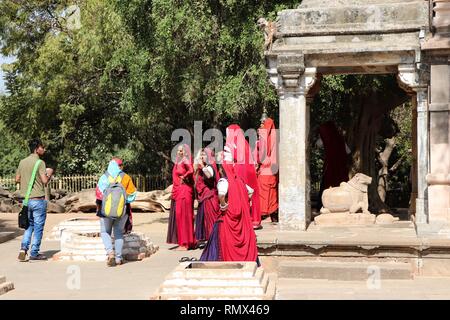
[349,197]
[270,29]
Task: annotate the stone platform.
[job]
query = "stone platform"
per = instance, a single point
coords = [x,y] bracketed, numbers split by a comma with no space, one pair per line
[217,280]
[397,240]
[83,225]
[88,246]
[5,286]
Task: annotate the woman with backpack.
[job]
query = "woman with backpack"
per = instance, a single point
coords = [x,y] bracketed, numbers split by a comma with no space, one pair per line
[115,190]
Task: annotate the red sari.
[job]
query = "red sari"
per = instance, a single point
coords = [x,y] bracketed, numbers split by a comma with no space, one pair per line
[207,198]
[245,167]
[335,168]
[184,200]
[237,238]
[268,168]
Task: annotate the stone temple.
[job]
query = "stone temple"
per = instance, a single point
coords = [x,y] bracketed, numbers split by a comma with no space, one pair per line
[408,38]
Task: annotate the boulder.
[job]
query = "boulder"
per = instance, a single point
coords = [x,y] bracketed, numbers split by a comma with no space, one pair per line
[386,218]
[53,207]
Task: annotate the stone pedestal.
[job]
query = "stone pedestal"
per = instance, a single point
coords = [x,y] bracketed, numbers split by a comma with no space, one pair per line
[217,280]
[5,286]
[82,225]
[80,241]
[344,219]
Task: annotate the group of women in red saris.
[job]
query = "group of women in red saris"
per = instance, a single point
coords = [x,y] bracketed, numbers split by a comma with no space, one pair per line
[228,197]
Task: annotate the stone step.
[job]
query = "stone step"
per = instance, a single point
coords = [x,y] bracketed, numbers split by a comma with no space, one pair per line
[5,286]
[222,289]
[344,271]
[239,294]
[257,280]
[213,270]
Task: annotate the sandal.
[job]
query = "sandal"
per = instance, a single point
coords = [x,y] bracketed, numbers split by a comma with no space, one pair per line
[194,259]
[184,259]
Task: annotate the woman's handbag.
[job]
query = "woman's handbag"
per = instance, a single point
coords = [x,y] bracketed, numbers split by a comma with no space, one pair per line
[24,222]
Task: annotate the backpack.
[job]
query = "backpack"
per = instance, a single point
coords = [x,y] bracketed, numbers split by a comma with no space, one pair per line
[114,198]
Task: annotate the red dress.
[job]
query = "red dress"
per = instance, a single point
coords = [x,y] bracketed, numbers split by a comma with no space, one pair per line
[183,195]
[268,168]
[244,167]
[207,197]
[237,239]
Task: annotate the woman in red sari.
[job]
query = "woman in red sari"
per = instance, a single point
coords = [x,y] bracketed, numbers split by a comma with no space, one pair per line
[206,178]
[245,168]
[181,221]
[233,237]
[268,169]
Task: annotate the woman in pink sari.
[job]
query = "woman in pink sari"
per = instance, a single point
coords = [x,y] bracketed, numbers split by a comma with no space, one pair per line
[181,220]
[245,168]
[206,177]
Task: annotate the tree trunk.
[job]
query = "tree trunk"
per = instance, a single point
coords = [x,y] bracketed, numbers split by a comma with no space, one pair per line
[383,172]
[372,109]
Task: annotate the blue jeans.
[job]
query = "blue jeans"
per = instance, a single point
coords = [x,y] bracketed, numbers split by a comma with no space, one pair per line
[37,213]
[107,225]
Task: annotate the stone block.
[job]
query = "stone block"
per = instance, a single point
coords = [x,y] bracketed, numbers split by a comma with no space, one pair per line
[5,286]
[217,280]
[344,218]
[344,271]
[80,245]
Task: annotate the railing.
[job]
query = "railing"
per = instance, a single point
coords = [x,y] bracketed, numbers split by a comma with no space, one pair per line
[76,183]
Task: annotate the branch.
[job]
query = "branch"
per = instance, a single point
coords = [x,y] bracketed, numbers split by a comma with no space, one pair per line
[166,157]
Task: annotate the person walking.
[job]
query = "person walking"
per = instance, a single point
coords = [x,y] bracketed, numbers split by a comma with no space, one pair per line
[114,191]
[37,205]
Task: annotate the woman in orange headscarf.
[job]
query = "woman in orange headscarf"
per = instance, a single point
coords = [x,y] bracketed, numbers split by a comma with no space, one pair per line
[267,150]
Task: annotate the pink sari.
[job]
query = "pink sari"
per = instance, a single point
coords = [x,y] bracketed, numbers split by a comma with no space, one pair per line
[184,200]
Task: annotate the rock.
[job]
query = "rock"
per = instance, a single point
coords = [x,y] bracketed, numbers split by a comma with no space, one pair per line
[386,218]
[5,193]
[53,207]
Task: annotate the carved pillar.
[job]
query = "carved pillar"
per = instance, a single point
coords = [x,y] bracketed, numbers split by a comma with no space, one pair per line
[412,204]
[293,82]
[439,177]
[422,155]
[414,80]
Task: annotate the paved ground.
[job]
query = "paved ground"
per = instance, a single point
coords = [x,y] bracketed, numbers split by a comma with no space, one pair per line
[54,279]
[139,280]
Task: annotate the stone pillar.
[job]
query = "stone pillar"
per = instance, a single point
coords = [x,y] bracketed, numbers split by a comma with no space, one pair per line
[422,155]
[293,82]
[416,80]
[439,177]
[413,174]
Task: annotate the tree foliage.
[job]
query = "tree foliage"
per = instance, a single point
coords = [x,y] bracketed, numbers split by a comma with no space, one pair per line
[135,71]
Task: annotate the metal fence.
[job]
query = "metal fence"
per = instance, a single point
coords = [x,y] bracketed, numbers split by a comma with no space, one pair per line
[76,183]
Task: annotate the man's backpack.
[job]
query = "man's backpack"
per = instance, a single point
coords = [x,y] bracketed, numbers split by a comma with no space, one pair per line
[114,197]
